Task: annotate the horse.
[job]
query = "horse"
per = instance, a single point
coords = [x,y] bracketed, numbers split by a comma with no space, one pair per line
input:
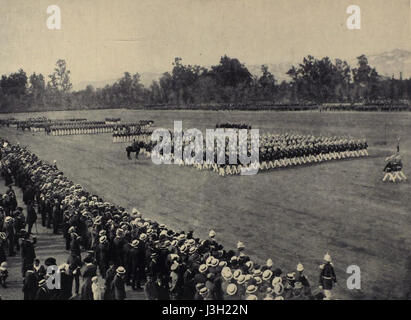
[133,148]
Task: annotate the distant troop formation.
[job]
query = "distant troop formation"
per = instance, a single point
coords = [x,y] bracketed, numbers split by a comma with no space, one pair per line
[97,127]
[282,150]
[76,126]
[124,248]
[139,132]
[278,151]
[112,120]
[142,136]
[43,124]
[233,126]
[86,128]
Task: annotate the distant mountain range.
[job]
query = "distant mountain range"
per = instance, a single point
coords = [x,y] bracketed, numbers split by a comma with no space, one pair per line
[392,63]
[386,63]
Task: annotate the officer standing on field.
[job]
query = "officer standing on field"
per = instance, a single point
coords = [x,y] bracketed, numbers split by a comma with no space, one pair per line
[327,276]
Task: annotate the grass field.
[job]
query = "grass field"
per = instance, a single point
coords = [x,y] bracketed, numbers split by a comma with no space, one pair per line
[289,215]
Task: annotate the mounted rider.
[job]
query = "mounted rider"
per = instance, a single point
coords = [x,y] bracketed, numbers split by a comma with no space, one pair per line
[135,147]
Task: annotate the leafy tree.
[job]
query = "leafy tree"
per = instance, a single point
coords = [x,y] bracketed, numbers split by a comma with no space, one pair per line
[60,78]
[231,73]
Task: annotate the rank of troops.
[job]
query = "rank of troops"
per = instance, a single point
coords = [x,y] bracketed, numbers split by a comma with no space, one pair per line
[43,123]
[112,120]
[233,126]
[96,127]
[140,132]
[80,129]
[126,249]
[278,151]
[141,135]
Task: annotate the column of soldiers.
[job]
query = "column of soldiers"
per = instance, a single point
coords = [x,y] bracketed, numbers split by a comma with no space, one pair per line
[77,129]
[112,120]
[126,249]
[281,151]
[140,135]
[140,132]
[43,124]
[233,126]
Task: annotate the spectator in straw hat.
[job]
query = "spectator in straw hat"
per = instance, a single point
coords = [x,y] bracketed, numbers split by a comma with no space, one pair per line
[102,255]
[88,271]
[110,274]
[231,292]
[118,284]
[241,285]
[134,265]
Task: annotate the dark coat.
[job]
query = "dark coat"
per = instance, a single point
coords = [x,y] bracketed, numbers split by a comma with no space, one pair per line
[327,276]
[31,214]
[30,285]
[118,288]
[27,250]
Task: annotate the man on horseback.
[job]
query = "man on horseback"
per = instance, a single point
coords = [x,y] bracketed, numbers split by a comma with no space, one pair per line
[135,147]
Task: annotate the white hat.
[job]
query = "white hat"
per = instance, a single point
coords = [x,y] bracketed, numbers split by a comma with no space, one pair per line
[241,279]
[121,270]
[267,274]
[237,273]
[278,289]
[300,267]
[277,280]
[211,234]
[240,245]
[269,263]
[251,289]
[231,289]
[203,268]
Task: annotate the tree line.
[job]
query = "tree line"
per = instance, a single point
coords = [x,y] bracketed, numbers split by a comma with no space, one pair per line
[313,81]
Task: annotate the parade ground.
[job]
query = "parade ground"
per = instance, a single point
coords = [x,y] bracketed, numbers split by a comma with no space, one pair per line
[289,215]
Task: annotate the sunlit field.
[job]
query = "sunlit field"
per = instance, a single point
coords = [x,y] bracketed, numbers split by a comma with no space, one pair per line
[290,215]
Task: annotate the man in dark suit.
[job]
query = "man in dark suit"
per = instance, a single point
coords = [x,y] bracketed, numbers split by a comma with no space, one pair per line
[118,284]
[102,255]
[28,253]
[31,216]
[74,263]
[134,265]
[88,271]
[30,285]
[110,274]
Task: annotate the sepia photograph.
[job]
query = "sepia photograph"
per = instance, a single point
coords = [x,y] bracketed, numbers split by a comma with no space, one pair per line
[204,150]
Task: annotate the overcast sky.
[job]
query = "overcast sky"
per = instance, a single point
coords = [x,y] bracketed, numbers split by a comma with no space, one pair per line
[100,39]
